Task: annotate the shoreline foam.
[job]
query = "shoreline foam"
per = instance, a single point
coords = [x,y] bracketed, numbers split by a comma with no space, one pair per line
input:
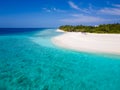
[89,42]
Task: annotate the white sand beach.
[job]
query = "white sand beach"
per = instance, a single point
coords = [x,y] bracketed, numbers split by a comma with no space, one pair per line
[90,42]
[58,30]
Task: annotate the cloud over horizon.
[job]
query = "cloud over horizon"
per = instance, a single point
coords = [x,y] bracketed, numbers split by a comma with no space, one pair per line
[112,10]
[79,18]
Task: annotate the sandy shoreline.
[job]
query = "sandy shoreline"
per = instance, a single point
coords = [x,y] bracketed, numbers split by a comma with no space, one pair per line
[89,42]
[58,30]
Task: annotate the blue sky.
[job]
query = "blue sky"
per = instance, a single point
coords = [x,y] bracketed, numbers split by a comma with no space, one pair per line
[53,13]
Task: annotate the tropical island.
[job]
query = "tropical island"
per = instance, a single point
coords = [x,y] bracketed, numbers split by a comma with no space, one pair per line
[104,28]
[102,39]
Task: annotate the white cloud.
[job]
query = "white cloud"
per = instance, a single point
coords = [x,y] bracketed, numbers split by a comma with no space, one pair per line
[58,10]
[73,5]
[110,11]
[53,10]
[88,14]
[79,18]
[115,10]
[47,10]
[116,5]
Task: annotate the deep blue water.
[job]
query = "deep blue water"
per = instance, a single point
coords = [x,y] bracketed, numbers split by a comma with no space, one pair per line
[18,30]
[30,61]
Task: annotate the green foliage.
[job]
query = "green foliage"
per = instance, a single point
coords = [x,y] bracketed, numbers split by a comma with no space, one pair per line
[105,28]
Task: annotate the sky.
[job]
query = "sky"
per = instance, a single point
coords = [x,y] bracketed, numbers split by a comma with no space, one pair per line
[53,13]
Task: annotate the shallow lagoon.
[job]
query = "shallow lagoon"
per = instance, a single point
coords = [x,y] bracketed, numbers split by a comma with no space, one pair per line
[29,61]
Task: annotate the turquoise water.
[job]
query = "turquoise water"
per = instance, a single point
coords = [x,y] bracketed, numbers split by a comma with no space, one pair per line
[31,62]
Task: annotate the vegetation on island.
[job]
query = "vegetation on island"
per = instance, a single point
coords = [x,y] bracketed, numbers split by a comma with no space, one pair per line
[104,28]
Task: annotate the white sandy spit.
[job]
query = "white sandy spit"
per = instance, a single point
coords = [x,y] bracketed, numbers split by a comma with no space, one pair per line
[101,43]
[58,30]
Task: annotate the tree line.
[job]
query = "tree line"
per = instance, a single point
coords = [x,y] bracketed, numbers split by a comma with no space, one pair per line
[103,28]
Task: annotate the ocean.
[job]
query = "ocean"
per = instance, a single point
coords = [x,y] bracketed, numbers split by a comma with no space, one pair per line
[30,61]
